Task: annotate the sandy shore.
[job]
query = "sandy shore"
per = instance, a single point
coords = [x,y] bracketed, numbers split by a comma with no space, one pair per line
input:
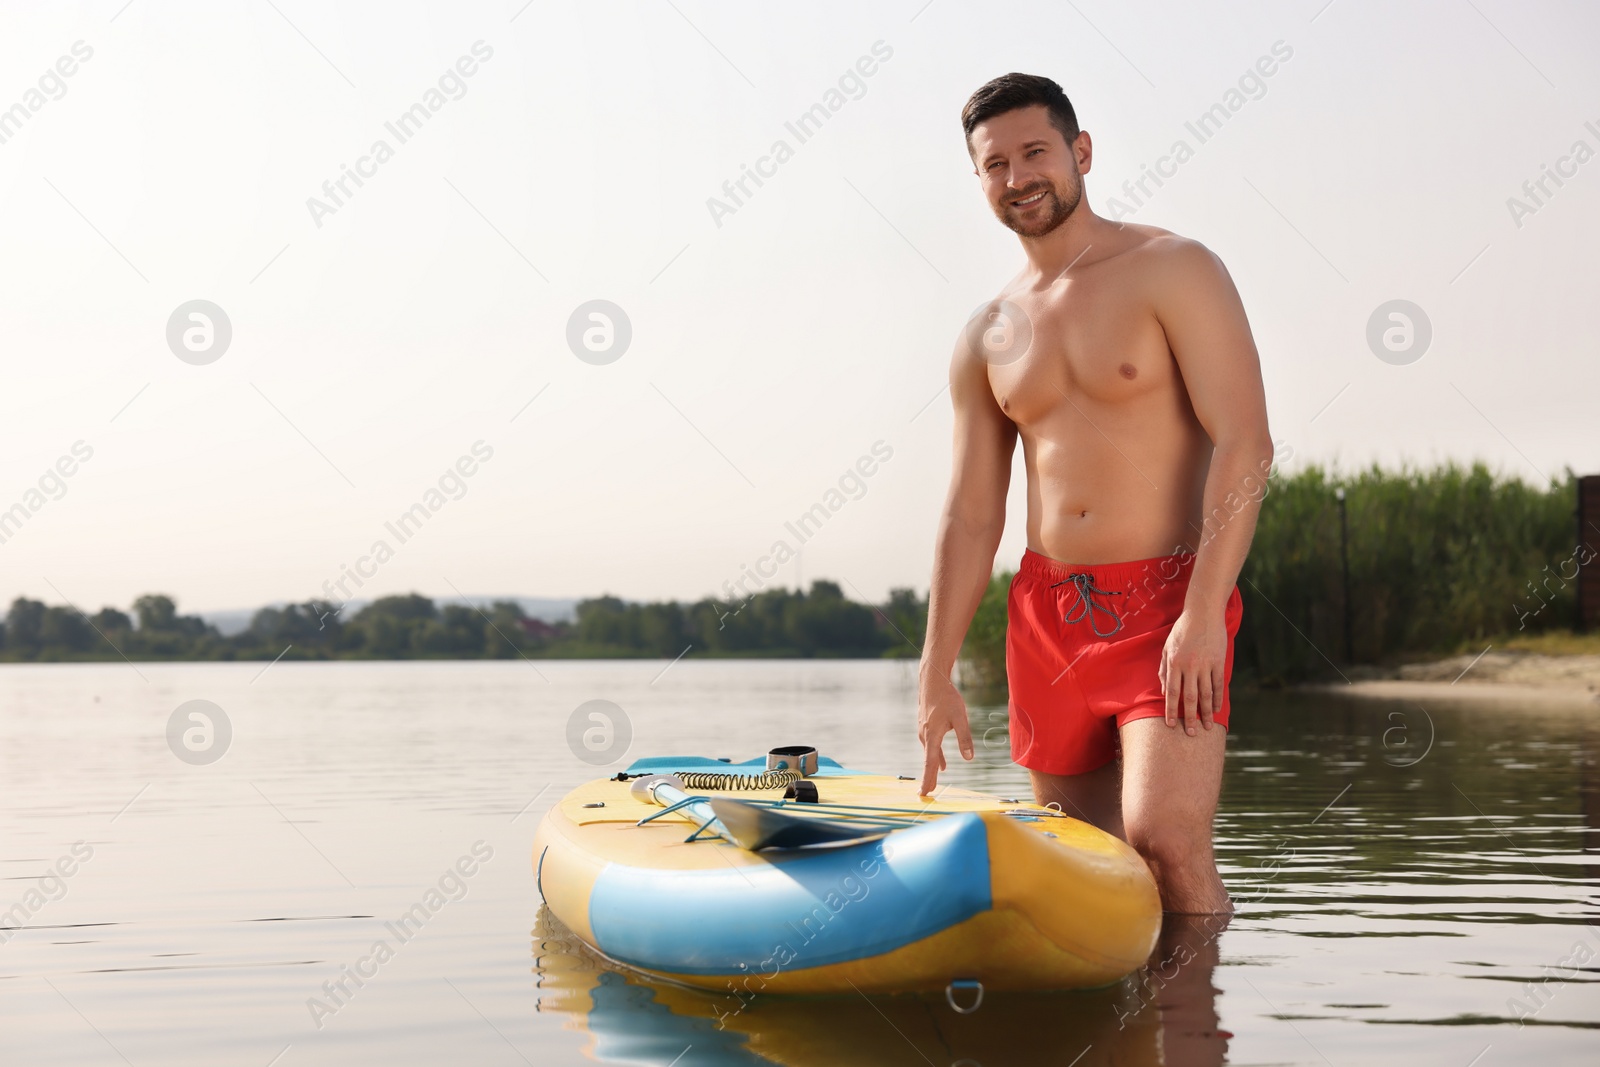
[1498,676]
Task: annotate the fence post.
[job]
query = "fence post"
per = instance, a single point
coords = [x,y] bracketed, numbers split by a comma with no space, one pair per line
[1344,566]
[1589,537]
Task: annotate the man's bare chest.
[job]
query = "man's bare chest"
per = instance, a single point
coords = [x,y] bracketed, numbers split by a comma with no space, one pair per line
[1086,345]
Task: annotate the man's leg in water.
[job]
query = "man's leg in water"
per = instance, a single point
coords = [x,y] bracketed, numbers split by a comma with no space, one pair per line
[1170,783]
[1094,797]
[1180,979]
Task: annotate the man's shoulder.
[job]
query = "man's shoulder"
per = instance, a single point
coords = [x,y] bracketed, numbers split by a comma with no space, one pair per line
[1165,264]
[1152,243]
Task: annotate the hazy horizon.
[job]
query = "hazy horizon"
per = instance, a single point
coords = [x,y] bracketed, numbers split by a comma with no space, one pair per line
[391,333]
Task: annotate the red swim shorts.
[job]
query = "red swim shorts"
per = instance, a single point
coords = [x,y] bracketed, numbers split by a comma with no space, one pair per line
[1083,648]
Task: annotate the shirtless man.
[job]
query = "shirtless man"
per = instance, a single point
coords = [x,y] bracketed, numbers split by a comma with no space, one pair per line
[1121,358]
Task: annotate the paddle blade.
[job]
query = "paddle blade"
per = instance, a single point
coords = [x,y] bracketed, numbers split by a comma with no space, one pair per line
[755,827]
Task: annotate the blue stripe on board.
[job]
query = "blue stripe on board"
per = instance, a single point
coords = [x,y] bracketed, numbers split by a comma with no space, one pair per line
[806,908]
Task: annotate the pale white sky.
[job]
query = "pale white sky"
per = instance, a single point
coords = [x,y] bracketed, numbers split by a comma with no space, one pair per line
[768,353]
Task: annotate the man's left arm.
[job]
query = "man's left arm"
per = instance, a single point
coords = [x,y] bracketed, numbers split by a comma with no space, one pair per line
[1199,308]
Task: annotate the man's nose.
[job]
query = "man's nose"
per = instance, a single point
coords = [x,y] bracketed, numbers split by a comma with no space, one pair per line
[1019,182]
[1022,176]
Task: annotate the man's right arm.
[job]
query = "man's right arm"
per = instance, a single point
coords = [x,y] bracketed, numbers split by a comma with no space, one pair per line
[970,526]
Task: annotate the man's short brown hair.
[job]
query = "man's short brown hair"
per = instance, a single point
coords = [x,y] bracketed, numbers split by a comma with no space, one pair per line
[1012,91]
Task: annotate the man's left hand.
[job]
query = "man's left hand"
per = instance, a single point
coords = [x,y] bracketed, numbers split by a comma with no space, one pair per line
[1191,671]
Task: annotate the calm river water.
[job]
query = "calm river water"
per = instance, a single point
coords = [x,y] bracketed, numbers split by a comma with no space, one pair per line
[1416,884]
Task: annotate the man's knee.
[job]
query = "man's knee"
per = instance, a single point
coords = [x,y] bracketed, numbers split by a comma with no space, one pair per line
[1167,847]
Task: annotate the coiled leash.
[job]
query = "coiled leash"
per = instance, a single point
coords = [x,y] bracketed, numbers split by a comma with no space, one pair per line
[769,780]
[1087,605]
[786,766]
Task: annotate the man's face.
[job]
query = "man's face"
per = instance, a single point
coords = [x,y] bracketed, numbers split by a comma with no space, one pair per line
[1031,176]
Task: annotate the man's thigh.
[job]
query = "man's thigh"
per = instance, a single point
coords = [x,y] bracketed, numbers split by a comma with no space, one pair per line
[1095,797]
[1170,781]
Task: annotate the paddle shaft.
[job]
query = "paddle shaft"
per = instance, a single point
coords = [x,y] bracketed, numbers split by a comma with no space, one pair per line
[667,792]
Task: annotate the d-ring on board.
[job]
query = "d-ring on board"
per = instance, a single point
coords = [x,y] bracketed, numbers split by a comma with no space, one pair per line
[963,983]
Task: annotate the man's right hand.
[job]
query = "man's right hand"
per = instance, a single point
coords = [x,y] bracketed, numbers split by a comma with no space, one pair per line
[940,709]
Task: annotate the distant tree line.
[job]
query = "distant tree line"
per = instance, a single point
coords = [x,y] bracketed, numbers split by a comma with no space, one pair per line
[1440,561]
[819,623]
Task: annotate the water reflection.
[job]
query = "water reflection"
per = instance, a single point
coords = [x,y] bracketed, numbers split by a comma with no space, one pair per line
[1165,1014]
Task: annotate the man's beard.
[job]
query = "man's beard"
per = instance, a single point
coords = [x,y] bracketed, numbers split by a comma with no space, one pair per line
[1058,210]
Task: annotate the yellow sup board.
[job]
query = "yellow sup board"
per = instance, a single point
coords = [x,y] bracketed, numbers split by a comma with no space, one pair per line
[960,892]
